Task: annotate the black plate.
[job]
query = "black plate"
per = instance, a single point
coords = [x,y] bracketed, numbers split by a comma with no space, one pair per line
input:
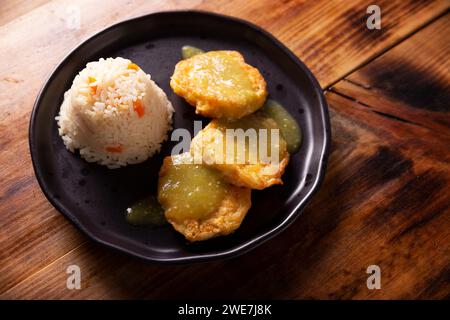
[94,198]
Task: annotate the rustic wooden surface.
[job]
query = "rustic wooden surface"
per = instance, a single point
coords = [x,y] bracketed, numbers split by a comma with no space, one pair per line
[385,199]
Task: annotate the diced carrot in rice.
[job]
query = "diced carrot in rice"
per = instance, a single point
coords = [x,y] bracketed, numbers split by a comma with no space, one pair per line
[139,108]
[133,66]
[93,87]
[115,149]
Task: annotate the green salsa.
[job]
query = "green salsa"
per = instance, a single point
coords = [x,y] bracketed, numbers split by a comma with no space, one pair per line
[290,130]
[189,51]
[190,191]
[257,121]
[146,212]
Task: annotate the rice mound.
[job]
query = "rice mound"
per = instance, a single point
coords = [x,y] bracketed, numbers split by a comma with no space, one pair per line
[114,114]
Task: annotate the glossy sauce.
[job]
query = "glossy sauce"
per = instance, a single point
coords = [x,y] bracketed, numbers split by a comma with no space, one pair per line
[288,125]
[257,121]
[222,74]
[190,191]
[189,51]
[146,212]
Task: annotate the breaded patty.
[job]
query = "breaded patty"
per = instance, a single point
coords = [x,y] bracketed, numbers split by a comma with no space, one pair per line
[218,217]
[219,84]
[251,174]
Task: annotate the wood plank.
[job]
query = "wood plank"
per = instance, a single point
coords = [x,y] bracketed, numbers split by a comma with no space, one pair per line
[12,9]
[330,37]
[380,204]
[411,81]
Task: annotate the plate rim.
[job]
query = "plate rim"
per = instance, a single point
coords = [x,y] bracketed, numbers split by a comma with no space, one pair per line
[245,246]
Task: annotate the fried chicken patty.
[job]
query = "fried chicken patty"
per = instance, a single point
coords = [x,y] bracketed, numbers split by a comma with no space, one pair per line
[219,84]
[251,174]
[209,219]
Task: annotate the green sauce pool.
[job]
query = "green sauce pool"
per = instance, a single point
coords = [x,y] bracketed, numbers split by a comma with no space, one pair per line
[190,51]
[146,212]
[289,128]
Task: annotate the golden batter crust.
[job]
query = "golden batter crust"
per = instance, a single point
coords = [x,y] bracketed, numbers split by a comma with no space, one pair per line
[252,175]
[219,84]
[226,219]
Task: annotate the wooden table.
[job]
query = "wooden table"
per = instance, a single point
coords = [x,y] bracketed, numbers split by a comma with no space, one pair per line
[385,200]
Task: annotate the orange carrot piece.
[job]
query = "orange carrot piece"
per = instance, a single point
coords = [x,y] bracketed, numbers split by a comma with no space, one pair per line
[115,149]
[133,66]
[139,108]
[93,88]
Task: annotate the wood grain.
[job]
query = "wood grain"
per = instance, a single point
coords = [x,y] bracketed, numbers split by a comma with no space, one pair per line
[326,251]
[12,9]
[411,82]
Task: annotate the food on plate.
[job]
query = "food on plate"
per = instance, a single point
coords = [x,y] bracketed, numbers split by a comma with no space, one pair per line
[219,84]
[206,192]
[262,159]
[114,114]
[197,201]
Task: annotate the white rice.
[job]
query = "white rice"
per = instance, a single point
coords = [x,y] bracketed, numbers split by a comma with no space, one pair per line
[115,115]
